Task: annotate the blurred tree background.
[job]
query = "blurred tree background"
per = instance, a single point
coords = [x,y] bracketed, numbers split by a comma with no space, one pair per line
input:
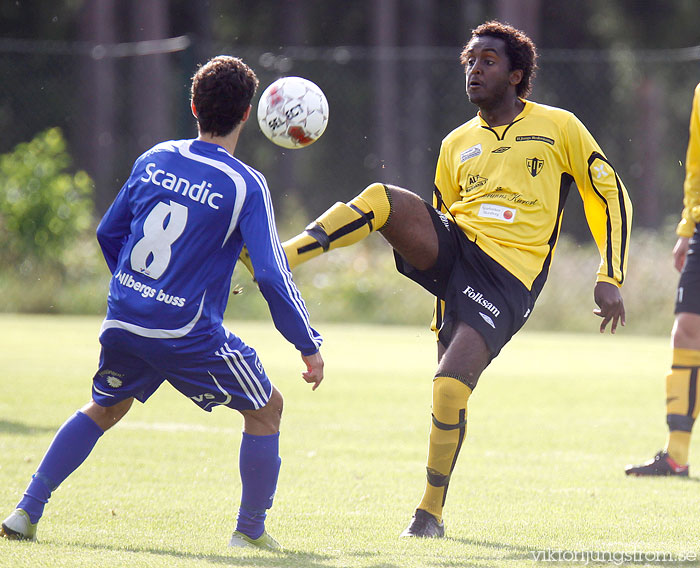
[113,76]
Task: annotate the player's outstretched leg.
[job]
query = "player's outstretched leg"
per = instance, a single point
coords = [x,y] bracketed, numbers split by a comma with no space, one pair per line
[682,407]
[70,447]
[447,433]
[342,225]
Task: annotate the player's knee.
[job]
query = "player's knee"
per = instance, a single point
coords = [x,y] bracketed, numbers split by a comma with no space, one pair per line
[466,354]
[270,415]
[686,331]
[107,416]
[277,402]
[400,194]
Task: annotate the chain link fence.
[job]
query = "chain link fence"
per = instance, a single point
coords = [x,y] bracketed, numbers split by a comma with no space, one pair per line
[389,110]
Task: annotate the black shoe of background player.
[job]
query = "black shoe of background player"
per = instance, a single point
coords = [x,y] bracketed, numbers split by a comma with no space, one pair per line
[424,525]
[662,464]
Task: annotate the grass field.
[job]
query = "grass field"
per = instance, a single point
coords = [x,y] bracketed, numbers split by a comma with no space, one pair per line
[540,478]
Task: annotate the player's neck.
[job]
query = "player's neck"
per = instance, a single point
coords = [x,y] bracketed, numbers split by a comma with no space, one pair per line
[504,112]
[228,142]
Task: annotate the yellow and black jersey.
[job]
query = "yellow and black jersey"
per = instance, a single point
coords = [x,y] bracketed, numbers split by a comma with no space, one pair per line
[505,187]
[691,187]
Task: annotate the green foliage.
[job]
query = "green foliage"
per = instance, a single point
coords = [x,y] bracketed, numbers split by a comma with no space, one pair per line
[360,284]
[44,208]
[649,290]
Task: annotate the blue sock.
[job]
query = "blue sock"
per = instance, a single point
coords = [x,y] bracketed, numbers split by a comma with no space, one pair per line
[259,464]
[71,445]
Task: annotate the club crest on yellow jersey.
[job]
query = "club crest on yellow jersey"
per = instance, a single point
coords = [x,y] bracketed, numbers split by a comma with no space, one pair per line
[534,165]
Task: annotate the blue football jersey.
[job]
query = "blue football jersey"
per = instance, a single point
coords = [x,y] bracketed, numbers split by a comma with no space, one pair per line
[172,238]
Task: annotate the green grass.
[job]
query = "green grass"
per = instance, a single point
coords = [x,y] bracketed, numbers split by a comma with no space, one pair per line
[552,424]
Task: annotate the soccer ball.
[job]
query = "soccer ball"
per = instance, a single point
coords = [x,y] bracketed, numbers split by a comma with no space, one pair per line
[293,112]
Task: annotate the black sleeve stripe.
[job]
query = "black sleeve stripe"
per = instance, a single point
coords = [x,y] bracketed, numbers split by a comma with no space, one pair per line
[624,228]
[564,186]
[623,218]
[608,223]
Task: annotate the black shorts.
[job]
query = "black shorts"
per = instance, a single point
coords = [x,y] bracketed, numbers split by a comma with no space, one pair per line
[476,289]
[688,294]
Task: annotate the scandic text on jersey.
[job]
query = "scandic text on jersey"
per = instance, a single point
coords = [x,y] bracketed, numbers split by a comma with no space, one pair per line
[199,192]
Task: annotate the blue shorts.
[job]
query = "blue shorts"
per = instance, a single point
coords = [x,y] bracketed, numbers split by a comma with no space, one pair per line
[211,370]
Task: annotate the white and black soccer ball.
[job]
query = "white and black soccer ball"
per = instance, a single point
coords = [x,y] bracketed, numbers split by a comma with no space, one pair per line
[293,112]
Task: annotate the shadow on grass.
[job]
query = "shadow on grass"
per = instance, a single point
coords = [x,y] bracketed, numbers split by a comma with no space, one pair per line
[7,427]
[670,479]
[287,558]
[513,552]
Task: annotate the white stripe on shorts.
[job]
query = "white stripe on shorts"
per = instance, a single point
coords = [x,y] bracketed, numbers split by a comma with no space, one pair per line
[256,386]
[103,393]
[244,375]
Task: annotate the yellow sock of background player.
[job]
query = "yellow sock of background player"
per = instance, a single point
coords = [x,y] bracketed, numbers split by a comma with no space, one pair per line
[447,433]
[342,225]
[682,402]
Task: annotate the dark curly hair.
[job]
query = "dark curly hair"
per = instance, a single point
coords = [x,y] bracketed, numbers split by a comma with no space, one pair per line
[221,92]
[519,48]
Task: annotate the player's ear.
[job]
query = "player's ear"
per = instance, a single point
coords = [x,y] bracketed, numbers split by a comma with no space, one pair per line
[516,76]
[194,110]
[246,114]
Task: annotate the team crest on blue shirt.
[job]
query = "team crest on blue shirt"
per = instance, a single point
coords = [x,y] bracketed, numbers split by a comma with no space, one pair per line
[534,165]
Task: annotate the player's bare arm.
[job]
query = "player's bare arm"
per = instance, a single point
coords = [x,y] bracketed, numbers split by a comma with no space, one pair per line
[680,250]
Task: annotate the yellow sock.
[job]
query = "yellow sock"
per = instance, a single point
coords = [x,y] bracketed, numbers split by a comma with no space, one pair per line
[682,402]
[678,446]
[342,225]
[447,433]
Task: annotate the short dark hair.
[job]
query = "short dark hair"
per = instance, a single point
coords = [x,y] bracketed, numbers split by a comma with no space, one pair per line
[520,50]
[221,92]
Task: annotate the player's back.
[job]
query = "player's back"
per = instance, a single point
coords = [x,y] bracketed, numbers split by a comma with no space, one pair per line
[179,214]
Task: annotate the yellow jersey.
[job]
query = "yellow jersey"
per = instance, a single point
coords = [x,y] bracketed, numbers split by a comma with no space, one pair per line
[691,187]
[505,187]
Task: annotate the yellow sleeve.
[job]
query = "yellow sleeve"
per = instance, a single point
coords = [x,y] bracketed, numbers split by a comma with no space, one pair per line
[445,180]
[606,202]
[691,187]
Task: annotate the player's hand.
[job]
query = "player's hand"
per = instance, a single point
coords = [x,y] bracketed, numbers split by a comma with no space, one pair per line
[610,305]
[680,250]
[314,369]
